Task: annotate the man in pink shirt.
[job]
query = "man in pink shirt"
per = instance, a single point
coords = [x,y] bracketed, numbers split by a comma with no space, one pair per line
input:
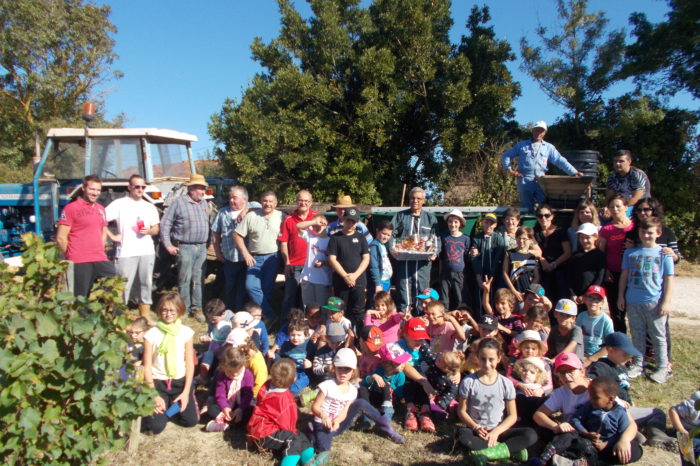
[81,235]
[293,250]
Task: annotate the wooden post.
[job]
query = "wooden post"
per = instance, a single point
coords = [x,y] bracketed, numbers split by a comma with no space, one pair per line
[403,194]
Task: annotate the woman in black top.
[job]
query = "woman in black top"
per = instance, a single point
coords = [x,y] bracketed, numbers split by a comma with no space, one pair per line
[556,250]
[650,207]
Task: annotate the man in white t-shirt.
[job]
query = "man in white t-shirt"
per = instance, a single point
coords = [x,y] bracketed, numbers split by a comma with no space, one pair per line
[137,222]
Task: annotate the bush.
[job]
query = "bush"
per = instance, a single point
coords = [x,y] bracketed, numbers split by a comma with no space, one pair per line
[61,398]
[686,226]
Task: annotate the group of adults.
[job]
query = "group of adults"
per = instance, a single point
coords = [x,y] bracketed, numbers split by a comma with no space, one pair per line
[249,242]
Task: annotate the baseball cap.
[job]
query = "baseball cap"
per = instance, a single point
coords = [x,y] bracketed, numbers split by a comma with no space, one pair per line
[237,337]
[491,216]
[456,213]
[536,289]
[587,229]
[566,306]
[567,361]
[392,352]
[429,293]
[352,214]
[334,304]
[488,321]
[416,328]
[540,124]
[345,357]
[243,319]
[372,336]
[530,335]
[596,289]
[336,332]
[622,341]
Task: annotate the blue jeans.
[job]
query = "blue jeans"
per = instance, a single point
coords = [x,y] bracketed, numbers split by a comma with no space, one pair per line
[292,279]
[190,260]
[323,438]
[530,193]
[235,277]
[260,279]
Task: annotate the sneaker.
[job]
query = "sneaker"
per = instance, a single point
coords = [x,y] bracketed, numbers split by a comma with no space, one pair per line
[660,376]
[634,372]
[426,424]
[213,426]
[411,423]
[396,437]
[198,315]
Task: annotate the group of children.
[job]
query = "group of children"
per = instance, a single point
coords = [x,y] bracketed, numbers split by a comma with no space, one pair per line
[502,372]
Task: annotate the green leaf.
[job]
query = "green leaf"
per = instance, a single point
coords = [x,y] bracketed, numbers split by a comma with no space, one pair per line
[18,389]
[49,352]
[29,419]
[46,325]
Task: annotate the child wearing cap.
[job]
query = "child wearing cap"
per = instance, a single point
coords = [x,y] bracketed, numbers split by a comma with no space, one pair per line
[335,309]
[620,350]
[423,299]
[415,341]
[380,270]
[273,424]
[455,251]
[386,382]
[566,336]
[370,342]
[337,407]
[348,256]
[536,320]
[646,287]
[487,252]
[520,264]
[594,323]
[385,317]
[587,265]
[323,360]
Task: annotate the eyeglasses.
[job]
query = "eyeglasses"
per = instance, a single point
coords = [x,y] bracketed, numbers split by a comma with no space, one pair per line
[305,201]
[544,215]
[417,198]
[645,209]
[139,186]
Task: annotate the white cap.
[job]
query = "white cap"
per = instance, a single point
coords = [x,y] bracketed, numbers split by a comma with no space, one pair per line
[243,319]
[587,229]
[456,213]
[345,357]
[540,124]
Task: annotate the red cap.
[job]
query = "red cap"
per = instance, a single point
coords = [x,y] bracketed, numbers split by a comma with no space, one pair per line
[567,361]
[596,289]
[417,329]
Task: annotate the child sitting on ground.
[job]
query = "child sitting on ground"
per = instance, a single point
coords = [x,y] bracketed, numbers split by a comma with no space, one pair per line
[233,393]
[685,417]
[444,330]
[385,317]
[387,381]
[535,320]
[370,342]
[273,424]
[255,361]
[312,317]
[530,346]
[300,350]
[444,376]
[509,324]
[134,349]
[215,311]
[335,309]
[323,360]
[259,326]
[566,336]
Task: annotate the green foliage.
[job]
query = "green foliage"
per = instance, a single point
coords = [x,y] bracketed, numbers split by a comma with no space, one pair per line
[666,55]
[686,225]
[575,66]
[53,55]
[360,100]
[61,398]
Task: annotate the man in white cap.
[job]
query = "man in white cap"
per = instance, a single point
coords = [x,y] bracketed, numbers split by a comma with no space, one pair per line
[533,155]
[184,233]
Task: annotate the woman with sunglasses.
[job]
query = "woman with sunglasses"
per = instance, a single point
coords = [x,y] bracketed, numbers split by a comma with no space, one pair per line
[556,250]
[612,242]
[585,212]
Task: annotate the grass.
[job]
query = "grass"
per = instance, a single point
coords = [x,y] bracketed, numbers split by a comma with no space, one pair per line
[178,445]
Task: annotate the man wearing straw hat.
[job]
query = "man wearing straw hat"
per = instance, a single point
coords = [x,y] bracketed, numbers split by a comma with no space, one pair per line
[345,202]
[184,233]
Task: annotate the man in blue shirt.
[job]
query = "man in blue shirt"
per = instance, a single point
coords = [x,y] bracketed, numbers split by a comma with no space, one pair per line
[533,156]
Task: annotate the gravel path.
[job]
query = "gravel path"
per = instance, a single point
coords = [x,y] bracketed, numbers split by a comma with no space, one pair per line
[686,297]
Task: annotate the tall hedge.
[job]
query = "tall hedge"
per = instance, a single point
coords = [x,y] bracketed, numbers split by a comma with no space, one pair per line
[61,398]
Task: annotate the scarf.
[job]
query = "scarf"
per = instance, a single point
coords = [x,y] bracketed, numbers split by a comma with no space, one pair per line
[167,346]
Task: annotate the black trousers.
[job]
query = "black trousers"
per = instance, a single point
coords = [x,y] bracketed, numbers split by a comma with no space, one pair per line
[354,299]
[285,443]
[189,417]
[85,275]
[517,438]
[452,288]
[617,315]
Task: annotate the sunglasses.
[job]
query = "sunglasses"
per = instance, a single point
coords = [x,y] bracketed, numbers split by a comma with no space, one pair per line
[645,209]
[544,215]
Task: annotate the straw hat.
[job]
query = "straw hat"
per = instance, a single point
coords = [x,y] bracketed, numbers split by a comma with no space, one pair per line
[197,180]
[343,202]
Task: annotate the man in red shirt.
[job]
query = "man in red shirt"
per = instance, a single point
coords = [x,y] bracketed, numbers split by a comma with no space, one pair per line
[81,235]
[293,250]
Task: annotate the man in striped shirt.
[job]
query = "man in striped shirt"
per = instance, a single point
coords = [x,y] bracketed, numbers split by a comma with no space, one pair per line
[184,233]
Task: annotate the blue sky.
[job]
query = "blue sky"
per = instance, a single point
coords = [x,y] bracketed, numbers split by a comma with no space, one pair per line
[181,59]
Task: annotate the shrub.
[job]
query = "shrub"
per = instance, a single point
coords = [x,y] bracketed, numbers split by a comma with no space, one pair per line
[687,229]
[61,398]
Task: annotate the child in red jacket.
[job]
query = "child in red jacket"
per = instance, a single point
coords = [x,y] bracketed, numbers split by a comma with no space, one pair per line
[273,425]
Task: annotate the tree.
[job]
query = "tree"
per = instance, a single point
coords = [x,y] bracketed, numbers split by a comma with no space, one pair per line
[667,50]
[578,64]
[53,55]
[353,100]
